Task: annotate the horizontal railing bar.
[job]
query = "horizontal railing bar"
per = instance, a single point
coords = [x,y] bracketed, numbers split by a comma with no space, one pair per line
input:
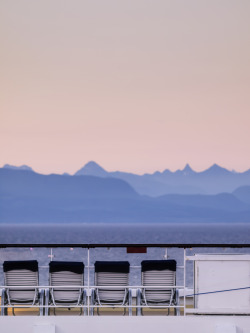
[89,246]
[92,267]
[137,306]
[131,266]
[92,306]
[88,287]
[131,287]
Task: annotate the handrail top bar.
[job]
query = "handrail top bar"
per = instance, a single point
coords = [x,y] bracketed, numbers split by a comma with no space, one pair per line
[98,245]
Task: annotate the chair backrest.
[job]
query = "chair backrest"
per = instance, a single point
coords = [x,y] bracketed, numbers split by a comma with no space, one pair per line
[21,274]
[115,274]
[63,273]
[158,273]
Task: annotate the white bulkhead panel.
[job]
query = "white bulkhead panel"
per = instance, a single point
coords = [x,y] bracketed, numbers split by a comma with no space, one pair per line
[222,282]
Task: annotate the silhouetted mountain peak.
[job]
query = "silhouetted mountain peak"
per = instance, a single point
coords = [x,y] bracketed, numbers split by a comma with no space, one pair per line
[92,169]
[187,170]
[215,166]
[22,167]
[166,172]
[215,169]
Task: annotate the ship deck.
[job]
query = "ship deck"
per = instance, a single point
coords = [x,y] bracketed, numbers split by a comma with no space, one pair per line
[223,309]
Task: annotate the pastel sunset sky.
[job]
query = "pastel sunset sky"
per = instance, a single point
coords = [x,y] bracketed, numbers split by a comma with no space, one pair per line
[135,85]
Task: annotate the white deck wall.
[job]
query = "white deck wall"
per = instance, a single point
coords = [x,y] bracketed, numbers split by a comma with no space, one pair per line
[112,324]
[216,272]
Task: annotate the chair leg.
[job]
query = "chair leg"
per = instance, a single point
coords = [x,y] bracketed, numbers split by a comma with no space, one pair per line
[130,301]
[92,302]
[85,310]
[124,311]
[46,311]
[138,303]
[98,311]
[92,311]
[177,303]
[41,302]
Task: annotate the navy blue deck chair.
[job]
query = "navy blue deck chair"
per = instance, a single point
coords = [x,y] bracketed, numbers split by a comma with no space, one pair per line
[21,279]
[156,273]
[112,282]
[61,275]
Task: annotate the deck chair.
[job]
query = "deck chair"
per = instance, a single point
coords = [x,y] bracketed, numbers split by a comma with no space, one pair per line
[113,274]
[62,273]
[24,277]
[158,273]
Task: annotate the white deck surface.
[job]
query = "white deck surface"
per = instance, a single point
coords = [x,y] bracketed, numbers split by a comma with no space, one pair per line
[110,324]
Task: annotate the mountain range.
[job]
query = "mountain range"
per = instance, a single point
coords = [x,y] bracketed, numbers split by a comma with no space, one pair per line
[26,196]
[214,180]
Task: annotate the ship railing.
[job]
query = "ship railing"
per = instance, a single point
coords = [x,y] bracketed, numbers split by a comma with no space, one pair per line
[183,307]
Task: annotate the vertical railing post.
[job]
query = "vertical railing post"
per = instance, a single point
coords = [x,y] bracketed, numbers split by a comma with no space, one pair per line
[184,283]
[88,281]
[47,290]
[166,253]
[51,254]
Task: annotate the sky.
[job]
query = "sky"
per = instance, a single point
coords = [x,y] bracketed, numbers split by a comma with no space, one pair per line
[135,85]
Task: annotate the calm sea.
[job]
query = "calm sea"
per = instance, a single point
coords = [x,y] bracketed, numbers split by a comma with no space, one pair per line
[119,234]
[125,233]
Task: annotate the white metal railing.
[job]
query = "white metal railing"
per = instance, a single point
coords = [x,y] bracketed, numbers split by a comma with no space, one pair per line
[88,306]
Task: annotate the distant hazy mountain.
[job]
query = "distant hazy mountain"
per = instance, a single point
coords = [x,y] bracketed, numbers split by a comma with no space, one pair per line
[30,197]
[243,193]
[92,169]
[214,180]
[222,201]
[25,183]
[22,167]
